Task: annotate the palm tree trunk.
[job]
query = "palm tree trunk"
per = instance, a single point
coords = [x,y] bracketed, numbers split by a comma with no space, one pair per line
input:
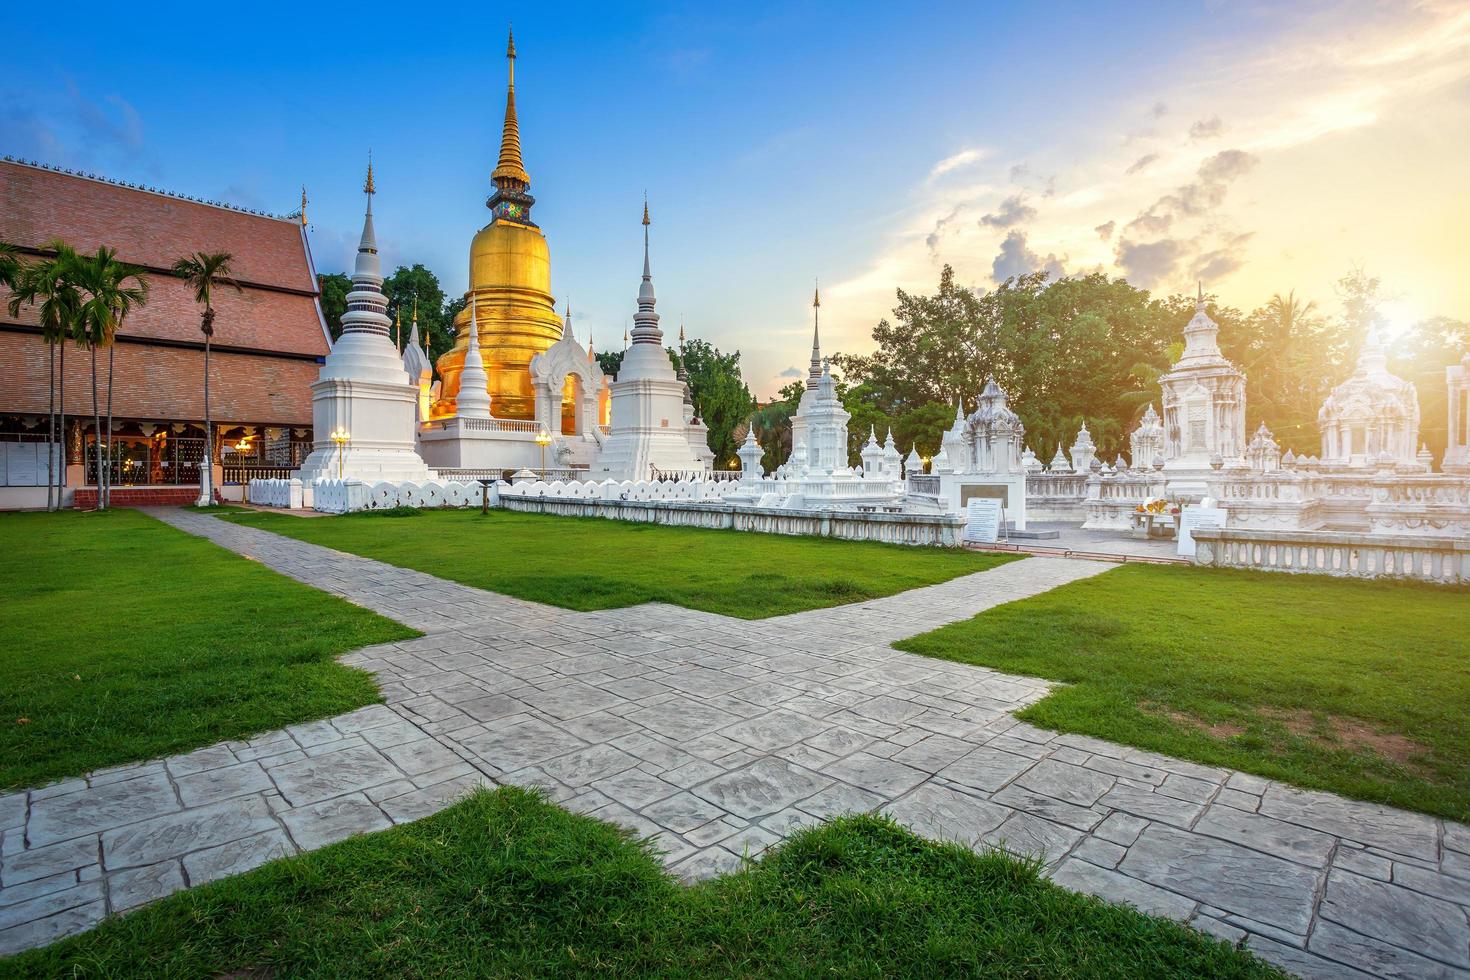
[206,471]
[108,501]
[50,424]
[61,422]
[96,429]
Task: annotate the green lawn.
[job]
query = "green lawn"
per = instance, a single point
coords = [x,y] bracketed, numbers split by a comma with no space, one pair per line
[504,884]
[1361,688]
[590,563]
[122,638]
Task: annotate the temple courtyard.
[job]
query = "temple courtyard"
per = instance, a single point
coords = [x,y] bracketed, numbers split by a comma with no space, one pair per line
[1278,762]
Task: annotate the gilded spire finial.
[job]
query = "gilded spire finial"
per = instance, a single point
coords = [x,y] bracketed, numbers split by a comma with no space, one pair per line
[645,209]
[510,170]
[415,309]
[303,205]
[816,294]
[368,187]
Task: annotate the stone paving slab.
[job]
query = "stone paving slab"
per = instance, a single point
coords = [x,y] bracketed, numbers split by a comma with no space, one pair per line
[718,738]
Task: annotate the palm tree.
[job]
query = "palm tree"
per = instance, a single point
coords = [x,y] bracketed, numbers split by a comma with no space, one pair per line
[203,271]
[109,302]
[51,285]
[9,265]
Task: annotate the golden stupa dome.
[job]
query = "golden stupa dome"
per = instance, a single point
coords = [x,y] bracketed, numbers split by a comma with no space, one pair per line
[510,288]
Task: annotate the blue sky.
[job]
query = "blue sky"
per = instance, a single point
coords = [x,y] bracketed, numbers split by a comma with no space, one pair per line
[1266,146]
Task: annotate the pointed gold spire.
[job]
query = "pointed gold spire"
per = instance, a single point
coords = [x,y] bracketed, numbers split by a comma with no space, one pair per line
[645,209]
[510,171]
[368,186]
[303,205]
[816,296]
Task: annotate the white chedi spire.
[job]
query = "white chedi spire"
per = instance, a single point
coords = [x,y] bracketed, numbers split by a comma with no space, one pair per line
[473,400]
[645,321]
[367,307]
[814,371]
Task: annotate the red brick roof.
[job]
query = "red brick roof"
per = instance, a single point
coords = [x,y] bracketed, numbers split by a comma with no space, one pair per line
[154,230]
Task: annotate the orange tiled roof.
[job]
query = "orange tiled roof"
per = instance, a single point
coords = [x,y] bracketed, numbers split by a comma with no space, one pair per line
[276,311]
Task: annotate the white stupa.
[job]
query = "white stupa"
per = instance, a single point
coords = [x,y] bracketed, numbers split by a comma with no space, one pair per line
[649,431]
[363,394]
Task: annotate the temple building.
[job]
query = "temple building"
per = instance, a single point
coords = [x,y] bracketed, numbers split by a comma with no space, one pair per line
[270,337]
[1372,418]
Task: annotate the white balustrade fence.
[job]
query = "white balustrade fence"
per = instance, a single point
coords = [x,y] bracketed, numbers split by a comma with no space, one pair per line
[1442,560]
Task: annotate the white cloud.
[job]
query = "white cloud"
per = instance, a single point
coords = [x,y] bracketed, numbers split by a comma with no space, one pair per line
[955,161]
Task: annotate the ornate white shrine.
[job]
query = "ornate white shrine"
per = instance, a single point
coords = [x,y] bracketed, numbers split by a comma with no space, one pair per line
[1371,420]
[1204,404]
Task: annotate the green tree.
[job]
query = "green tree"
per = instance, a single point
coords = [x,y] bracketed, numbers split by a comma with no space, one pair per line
[9,265]
[720,395]
[203,271]
[773,425]
[1291,356]
[50,285]
[1062,348]
[109,300]
[441,341]
[415,288]
[610,361]
[866,418]
[334,287]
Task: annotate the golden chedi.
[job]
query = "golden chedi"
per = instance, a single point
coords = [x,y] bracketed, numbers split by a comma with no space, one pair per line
[510,278]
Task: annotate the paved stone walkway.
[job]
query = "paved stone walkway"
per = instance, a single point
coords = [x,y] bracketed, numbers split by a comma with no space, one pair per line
[719,737]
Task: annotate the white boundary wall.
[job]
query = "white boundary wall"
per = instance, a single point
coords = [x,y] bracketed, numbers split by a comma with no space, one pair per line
[696,503]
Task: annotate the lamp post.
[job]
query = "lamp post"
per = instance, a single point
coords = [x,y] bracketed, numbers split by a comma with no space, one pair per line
[341,437]
[543,439]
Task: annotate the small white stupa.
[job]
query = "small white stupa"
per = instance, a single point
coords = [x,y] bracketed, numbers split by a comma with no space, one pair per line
[364,407]
[1146,442]
[649,432]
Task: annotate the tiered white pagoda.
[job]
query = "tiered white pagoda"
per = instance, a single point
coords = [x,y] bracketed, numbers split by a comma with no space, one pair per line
[649,432]
[1371,420]
[364,406]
